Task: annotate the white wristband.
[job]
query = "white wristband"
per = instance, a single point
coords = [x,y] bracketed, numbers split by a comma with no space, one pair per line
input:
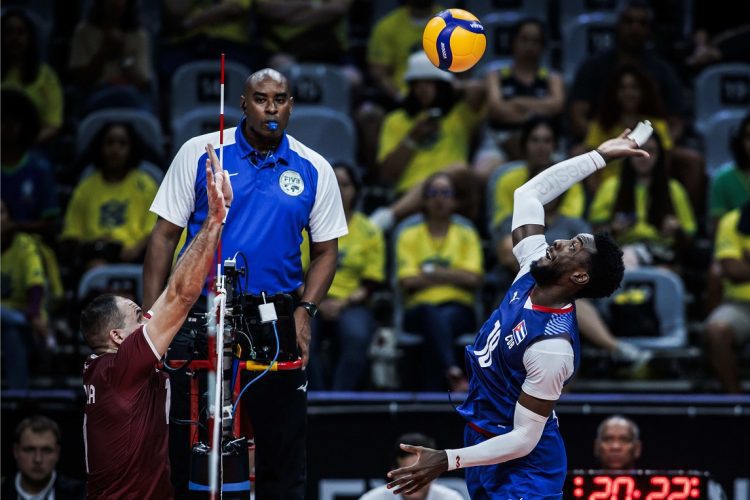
[226,214]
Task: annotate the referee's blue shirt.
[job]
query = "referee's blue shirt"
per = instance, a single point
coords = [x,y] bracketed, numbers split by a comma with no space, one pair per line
[276,196]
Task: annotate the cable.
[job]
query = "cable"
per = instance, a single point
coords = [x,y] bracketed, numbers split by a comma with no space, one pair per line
[181,421]
[185,364]
[258,377]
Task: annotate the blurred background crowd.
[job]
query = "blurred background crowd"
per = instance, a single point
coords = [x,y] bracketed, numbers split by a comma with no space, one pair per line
[98,95]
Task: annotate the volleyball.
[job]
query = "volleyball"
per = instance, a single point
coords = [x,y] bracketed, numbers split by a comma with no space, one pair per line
[454,40]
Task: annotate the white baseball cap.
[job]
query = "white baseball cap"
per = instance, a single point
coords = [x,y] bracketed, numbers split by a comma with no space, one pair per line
[420,68]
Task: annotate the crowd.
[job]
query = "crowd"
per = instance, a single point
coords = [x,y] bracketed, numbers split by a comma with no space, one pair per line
[427,196]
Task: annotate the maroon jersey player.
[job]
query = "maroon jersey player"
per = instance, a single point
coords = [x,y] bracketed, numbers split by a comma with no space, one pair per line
[127,397]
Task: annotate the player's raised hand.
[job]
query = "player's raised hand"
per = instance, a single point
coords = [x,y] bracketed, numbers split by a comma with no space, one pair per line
[627,144]
[429,465]
[218,186]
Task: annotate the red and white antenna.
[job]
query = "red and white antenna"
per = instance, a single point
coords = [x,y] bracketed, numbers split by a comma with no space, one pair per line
[216,310]
[221,116]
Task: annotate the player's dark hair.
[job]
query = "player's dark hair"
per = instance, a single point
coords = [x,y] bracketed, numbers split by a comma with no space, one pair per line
[31,62]
[605,268]
[37,424]
[412,438]
[99,316]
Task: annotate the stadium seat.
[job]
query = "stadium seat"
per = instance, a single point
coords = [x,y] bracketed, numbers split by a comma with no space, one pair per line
[527,8]
[583,36]
[121,279]
[721,87]
[197,84]
[498,27]
[716,133]
[668,294]
[145,124]
[328,132]
[199,121]
[490,205]
[319,85]
[571,9]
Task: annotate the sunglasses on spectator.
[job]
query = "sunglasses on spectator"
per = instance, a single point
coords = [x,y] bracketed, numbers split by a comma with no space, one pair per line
[442,193]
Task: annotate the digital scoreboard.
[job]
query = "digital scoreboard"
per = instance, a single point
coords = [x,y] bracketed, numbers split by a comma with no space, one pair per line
[636,485]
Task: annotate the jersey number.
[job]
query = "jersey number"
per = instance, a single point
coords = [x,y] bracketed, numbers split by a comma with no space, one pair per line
[485,354]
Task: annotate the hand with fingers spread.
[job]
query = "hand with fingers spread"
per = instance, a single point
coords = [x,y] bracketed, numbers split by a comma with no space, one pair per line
[218,187]
[428,466]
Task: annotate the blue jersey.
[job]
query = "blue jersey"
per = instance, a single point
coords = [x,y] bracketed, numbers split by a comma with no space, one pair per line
[276,196]
[497,374]
[495,361]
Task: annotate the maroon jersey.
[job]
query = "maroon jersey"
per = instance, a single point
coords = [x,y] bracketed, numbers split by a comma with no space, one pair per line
[125,424]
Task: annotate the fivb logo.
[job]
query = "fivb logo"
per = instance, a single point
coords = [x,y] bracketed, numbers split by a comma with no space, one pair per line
[485,355]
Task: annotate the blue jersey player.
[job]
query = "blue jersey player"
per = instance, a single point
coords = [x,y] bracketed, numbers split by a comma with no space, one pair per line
[529,347]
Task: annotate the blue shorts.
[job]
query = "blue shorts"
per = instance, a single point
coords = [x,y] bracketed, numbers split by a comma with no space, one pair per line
[540,474]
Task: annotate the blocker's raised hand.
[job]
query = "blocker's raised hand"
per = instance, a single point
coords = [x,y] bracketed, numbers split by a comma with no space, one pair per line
[218,186]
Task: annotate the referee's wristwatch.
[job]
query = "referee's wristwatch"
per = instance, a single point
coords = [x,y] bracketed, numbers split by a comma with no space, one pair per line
[311,308]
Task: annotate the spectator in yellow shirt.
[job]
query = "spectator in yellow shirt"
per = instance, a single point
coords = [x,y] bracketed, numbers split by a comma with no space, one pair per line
[439,266]
[344,312]
[648,213]
[23,286]
[22,69]
[729,325]
[431,132]
[628,97]
[107,219]
[393,39]
[539,139]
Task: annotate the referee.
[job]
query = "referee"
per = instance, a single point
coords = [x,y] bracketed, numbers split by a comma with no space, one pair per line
[281,188]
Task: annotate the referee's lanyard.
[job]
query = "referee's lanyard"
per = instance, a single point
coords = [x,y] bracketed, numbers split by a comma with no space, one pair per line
[257,160]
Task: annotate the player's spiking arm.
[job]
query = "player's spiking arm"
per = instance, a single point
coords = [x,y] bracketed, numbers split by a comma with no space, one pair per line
[529,199]
[546,369]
